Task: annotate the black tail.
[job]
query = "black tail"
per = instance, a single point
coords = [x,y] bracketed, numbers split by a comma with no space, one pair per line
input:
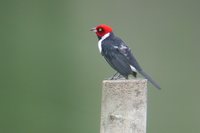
[149,79]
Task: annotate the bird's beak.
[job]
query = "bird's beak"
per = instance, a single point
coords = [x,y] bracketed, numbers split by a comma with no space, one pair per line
[93,30]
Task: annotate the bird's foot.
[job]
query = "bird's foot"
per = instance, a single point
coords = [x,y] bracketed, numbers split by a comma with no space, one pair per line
[120,77]
[116,76]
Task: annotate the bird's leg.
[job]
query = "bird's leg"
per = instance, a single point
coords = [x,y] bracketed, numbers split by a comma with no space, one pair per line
[121,77]
[126,77]
[113,77]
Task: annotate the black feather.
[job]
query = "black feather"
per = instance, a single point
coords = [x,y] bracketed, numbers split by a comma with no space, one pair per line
[120,58]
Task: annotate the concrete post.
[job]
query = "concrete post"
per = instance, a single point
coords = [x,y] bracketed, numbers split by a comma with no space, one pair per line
[124,106]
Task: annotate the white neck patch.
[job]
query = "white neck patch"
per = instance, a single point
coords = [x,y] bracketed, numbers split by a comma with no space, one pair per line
[100,41]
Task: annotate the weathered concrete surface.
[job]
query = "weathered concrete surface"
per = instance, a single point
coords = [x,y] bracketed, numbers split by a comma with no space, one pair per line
[124,106]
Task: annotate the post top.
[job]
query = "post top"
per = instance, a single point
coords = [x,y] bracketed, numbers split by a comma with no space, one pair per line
[126,81]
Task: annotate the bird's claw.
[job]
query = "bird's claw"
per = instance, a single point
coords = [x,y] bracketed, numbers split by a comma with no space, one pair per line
[116,76]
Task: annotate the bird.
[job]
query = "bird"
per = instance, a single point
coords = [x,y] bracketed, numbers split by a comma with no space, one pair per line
[118,55]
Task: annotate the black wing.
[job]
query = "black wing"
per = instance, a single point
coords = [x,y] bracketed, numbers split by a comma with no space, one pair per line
[127,54]
[115,58]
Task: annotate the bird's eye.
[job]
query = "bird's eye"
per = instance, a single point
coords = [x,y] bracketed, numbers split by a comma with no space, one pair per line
[100,29]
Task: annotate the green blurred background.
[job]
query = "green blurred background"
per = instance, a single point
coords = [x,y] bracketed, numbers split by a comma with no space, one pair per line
[51,70]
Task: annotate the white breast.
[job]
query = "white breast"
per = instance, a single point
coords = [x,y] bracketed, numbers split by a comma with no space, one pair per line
[100,41]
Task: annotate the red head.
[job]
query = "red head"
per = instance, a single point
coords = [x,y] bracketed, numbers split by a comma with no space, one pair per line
[101,30]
